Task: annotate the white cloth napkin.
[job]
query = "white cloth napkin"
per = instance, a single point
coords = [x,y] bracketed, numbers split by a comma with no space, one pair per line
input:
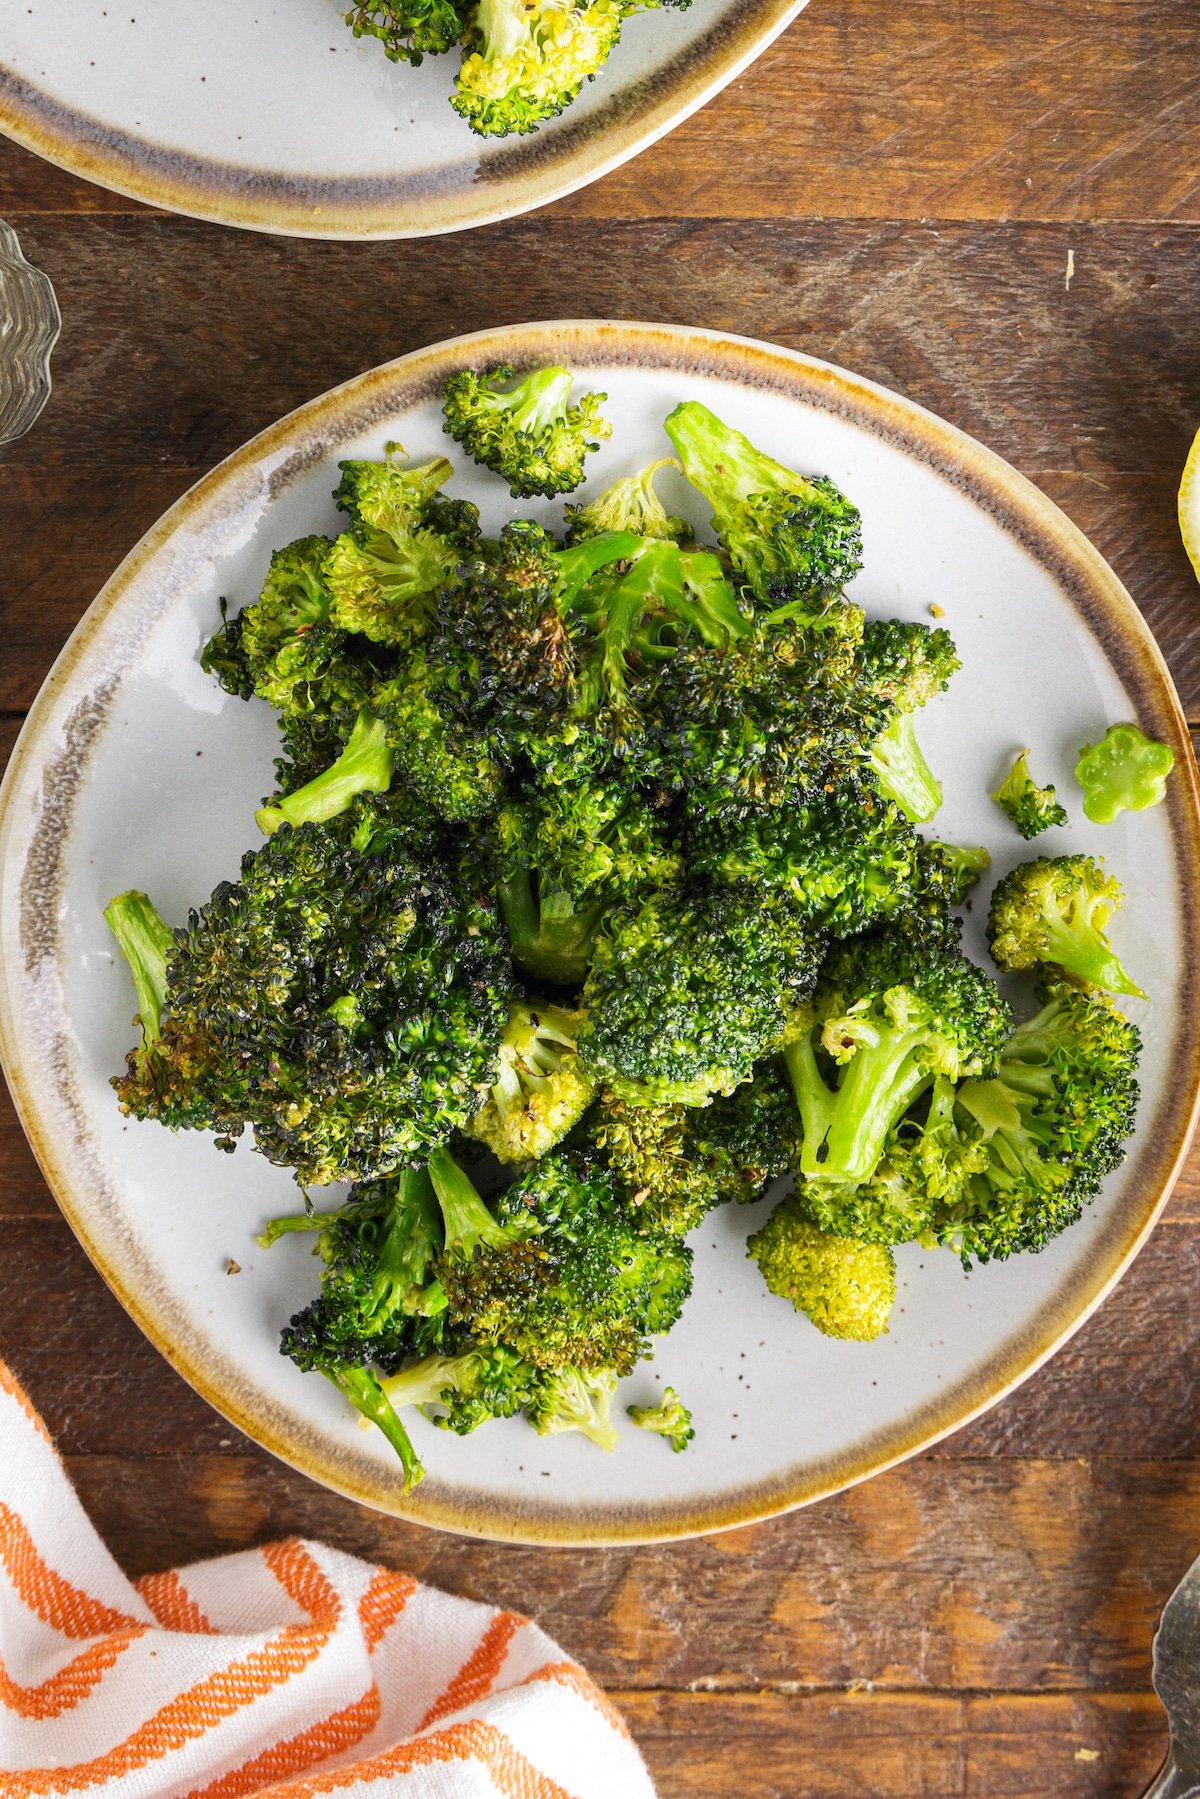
[284,1671]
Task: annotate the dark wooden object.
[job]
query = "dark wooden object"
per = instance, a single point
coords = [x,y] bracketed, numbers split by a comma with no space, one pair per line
[897,189]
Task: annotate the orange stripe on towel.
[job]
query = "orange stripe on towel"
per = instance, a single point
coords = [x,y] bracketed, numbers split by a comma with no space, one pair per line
[512,1773]
[329,1736]
[72,1683]
[382,1604]
[172,1605]
[477,1675]
[56,1602]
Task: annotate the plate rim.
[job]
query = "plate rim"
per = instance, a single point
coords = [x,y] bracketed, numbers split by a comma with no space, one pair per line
[548,168]
[987,478]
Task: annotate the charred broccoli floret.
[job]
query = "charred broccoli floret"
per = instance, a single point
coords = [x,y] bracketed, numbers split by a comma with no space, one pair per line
[964,868]
[670,1418]
[846,1288]
[793,541]
[1052,912]
[539,1091]
[1125,772]
[409,30]
[527,431]
[1050,1125]
[891,1013]
[1031,808]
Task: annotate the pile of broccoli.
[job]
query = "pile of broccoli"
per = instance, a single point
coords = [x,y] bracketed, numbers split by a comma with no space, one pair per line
[522,61]
[592,897]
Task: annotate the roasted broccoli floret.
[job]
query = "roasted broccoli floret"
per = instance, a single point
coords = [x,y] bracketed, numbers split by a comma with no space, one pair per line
[364,766]
[439,756]
[1032,809]
[579,1399]
[409,30]
[1125,771]
[527,431]
[964,868]
[904,666]
[343,1001]
[539,1091]
[891,1013]
[687,993]
[404,544]
[673,1164]
[560,1272]
[845,1287]
[793,541]
[1052,912]
[468,1387]
[630,504]
[1050,1125]
[670,1418]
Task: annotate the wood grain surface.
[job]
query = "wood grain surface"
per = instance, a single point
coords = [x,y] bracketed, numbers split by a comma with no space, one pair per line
[902,190]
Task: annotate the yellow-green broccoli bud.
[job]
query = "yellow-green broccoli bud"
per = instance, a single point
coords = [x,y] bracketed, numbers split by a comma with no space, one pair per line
[630,504]
[845,1287]
[1125,772]
[1054,910]
[670,1418]
[1031,808]
[527,432]
[572,1399]
[540,1090]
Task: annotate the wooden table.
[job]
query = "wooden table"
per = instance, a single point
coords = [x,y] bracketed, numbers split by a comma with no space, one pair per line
[903,190]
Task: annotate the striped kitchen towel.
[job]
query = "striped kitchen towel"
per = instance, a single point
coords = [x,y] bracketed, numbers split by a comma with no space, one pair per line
[290,1670]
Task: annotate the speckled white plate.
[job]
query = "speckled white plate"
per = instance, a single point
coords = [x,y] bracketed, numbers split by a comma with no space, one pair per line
[135,770]
[273,117]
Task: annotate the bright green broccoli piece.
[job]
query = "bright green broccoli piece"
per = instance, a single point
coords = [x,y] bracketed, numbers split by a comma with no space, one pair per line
[364,766]
[670,1418]
[1124,772]
[630,504]
[891,1013]
[905,665]
[846,1288]
[575,1399]
[673,1164]
[686,994]
[964,868]
[527,432]
[540,1091]
[793,541]
[560,1273]
[1052,912]
[404,544]
[409,30]
[440,756]
[1050,1125]
[465,1388]
[147,944]
[1032,809]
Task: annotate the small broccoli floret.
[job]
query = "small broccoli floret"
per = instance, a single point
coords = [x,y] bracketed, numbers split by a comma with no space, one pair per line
[670,1418]
[905,665]
[673,1164]
[1049,1126]
[846,1288]
[439,756]
[630,504]
[891,1013]
[147,944]
[540,1091]
[404,543]
[527,432]
[793,541]
[575,1399]
[409,30]
[364,766]
[1032,809]
[1125,771]
[1053,911]
[964,868]
[561,1273]
[462,1390]
[686,994]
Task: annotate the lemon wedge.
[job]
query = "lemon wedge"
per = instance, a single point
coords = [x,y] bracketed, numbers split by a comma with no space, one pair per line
[1189,504]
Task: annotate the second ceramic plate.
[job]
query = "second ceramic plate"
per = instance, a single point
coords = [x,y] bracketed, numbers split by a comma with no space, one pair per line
[273,117]
[135,770]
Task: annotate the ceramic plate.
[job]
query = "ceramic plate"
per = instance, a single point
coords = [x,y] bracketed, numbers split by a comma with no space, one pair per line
[273,117]
[135,770]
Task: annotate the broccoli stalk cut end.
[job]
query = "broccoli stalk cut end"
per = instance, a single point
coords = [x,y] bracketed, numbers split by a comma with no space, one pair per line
[904,775]
[364,766]
[146,944]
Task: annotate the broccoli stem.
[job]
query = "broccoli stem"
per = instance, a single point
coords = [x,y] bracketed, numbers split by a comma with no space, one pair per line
[425,1381]
[845,1131]
[902,771]
[364,1392]
[550,937]
[722,463]
[146,944]
[468,1223]
[1082,950]
[581,561]
[539,399]
[364,766]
